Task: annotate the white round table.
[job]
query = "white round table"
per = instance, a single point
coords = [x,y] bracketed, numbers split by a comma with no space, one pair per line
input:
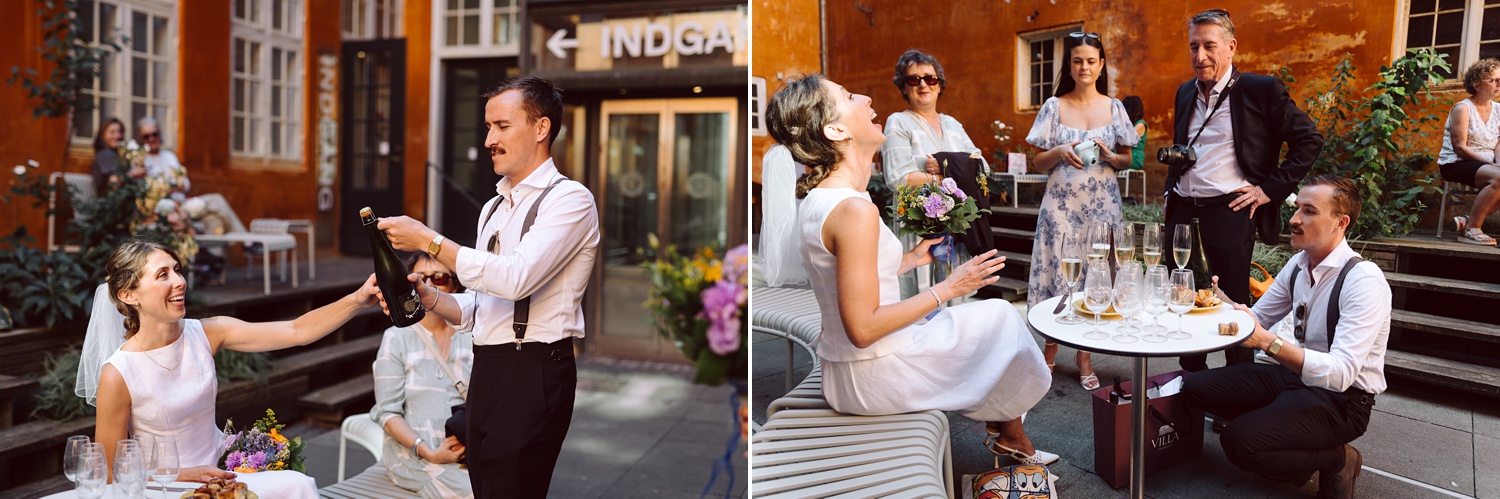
[174,490]
[1203,325]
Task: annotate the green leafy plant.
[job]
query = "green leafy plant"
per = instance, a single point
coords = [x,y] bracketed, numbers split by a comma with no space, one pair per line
[1144,213]
[1273,258]
[55,399]
[232,365]
[1369,137]
[40,288]
[76,62]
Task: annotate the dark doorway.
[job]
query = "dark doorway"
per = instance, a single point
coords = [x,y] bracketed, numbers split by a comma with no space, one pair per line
[471,175]
[373,109]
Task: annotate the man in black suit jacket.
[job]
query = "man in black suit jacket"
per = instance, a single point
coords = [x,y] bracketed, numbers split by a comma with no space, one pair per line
[1234,186]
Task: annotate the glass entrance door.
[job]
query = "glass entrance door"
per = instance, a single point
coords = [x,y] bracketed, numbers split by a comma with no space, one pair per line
[665,170]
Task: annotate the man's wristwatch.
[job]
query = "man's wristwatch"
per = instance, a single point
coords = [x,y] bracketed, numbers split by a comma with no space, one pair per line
[1274,348]
[435,246]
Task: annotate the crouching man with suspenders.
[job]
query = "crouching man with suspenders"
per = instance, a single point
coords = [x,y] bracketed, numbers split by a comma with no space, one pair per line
[1292,419]
[526,277]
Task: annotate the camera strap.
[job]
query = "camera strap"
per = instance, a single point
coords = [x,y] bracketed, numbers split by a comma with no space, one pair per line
[1234,78]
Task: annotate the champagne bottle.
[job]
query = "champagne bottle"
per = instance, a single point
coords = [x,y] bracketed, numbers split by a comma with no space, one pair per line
[1198,262]
[390,273]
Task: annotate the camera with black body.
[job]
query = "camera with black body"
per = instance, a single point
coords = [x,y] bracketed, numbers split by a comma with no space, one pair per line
[1178,156]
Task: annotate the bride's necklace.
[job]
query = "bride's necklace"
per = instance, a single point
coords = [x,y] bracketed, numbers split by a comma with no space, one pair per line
[158,364]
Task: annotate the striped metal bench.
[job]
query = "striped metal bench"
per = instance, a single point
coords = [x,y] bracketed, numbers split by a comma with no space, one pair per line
[789,313]
[373,482]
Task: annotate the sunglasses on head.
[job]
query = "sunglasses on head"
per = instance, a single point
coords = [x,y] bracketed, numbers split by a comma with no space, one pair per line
[438,278]
[152,135]
[930,80]
[1080,34]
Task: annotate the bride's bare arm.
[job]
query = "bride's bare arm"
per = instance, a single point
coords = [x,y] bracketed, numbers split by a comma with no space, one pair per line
[112,414]
[235,334]
[852,234]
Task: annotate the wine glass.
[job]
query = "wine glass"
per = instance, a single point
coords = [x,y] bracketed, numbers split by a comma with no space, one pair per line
[1139,271]
[1097,295]
[1157,286]
[1182,299]
[1071,268]
[1151,244]
[1127,301]
[91,475]
[1098,234]
[1182,245]
[71,452]
[1125,242]
[130,469]
[163,465]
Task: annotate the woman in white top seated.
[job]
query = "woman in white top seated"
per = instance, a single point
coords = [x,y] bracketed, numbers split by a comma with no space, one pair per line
[1470,142]
[877,356]
[160,383]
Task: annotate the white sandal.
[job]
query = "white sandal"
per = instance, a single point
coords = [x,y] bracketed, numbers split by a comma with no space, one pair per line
[1476,236]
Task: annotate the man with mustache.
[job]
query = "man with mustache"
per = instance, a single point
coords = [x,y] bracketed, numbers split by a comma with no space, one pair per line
[1292,419]
[540,237]
[1237,123]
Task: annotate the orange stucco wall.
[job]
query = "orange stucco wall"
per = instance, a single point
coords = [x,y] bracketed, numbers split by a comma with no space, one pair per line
[1146,44]
[787,43]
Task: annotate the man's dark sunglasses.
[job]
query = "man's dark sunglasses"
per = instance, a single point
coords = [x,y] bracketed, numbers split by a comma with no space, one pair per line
[152,135]
[913,80]
[1300,325]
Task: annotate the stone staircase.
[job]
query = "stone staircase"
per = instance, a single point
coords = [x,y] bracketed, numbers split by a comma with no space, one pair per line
[1445,322]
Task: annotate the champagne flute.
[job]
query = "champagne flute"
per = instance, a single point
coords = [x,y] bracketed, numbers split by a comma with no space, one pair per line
[1127,301]
[1125,242]
[1183,298]
[163,465]
[130,469]
[1071,267]
[91,475]
[1151,244]
[71,452]
[1098,234]
[1139,271]
[1097,295]
[1158,293]
[1182,245]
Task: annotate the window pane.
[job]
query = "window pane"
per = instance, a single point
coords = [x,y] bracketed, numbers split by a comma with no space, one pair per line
[109,108]
[254,11]
[1453,70]
[139,25]
[1489,50]
[138,76]
[237,94]
[160,84]
[1419,32]
[276,101]
[253,59]
[252,134]
[237,55]
[502,29]
[107,73]
[348,11]
[291,138]
[471,30]
[237,133]
[452,4]
[275,138]
[240,8]
[161,35]
[83,123]
[276,8]
[160,113]
[1450,28]
[292,103]
[1450,4]
[502,4]
[137,111]
[109,27]
[291,66]
[275,64]
[450,33]
[252,98]
[1490,29]
[86,20]
[471,4]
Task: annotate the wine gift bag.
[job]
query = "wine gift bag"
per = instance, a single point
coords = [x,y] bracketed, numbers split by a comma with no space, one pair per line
[1174,433]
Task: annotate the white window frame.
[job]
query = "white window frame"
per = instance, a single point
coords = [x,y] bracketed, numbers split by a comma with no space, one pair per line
[757,106]
[1468,52]
[257,28]
[118,66]
[368,23]
[487,46]
[1023,63]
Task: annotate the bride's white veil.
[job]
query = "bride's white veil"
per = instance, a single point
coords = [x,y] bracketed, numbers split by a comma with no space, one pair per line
[779,239]
[105,334]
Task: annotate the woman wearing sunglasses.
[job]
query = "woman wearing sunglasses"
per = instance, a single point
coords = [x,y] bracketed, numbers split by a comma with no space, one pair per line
[1080,110]
[415,392]
[914,135]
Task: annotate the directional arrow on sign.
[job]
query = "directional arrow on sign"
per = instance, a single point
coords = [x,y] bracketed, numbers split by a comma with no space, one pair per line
[557,44]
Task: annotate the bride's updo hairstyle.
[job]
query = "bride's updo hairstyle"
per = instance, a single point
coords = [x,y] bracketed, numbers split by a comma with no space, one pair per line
[123,271]
[795,118]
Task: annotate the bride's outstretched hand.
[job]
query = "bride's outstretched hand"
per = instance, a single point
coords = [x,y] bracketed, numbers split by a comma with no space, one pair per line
[202,474]
[368,293]
[974,274]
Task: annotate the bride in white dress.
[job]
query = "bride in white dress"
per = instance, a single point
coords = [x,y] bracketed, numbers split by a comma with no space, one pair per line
[977,358]
[160,382]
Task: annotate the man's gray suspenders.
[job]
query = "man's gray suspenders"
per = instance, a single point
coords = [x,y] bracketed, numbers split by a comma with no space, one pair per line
[1333,299]
[523,306]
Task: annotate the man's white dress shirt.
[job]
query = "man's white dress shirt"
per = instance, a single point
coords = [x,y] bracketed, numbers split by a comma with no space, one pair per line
[1217,172]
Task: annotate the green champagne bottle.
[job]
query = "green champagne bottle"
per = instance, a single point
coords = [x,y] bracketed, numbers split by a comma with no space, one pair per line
[1198,262]
[390,274]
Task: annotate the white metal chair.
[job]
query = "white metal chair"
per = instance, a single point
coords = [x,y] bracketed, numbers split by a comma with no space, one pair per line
[1448,190]
[1016,181]
[361,430]
[82,186]
[237,233]
[1126,174]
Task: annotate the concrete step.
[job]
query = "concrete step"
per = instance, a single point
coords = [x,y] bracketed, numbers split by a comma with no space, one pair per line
[1002,232]
[1443,285]
[1449,326]
[1438,371]
[1007,288]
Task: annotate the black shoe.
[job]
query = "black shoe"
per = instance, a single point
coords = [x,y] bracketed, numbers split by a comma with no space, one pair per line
[1340,484]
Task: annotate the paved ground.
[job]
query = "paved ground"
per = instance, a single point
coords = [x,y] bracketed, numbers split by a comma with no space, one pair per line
[1419,443]
[640,429]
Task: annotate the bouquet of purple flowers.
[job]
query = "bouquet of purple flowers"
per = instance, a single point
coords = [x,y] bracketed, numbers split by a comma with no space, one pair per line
[934,209]
[699,303]
[261,448]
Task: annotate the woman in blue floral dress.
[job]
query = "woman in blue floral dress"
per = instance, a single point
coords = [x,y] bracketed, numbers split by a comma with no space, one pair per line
[1080,110]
